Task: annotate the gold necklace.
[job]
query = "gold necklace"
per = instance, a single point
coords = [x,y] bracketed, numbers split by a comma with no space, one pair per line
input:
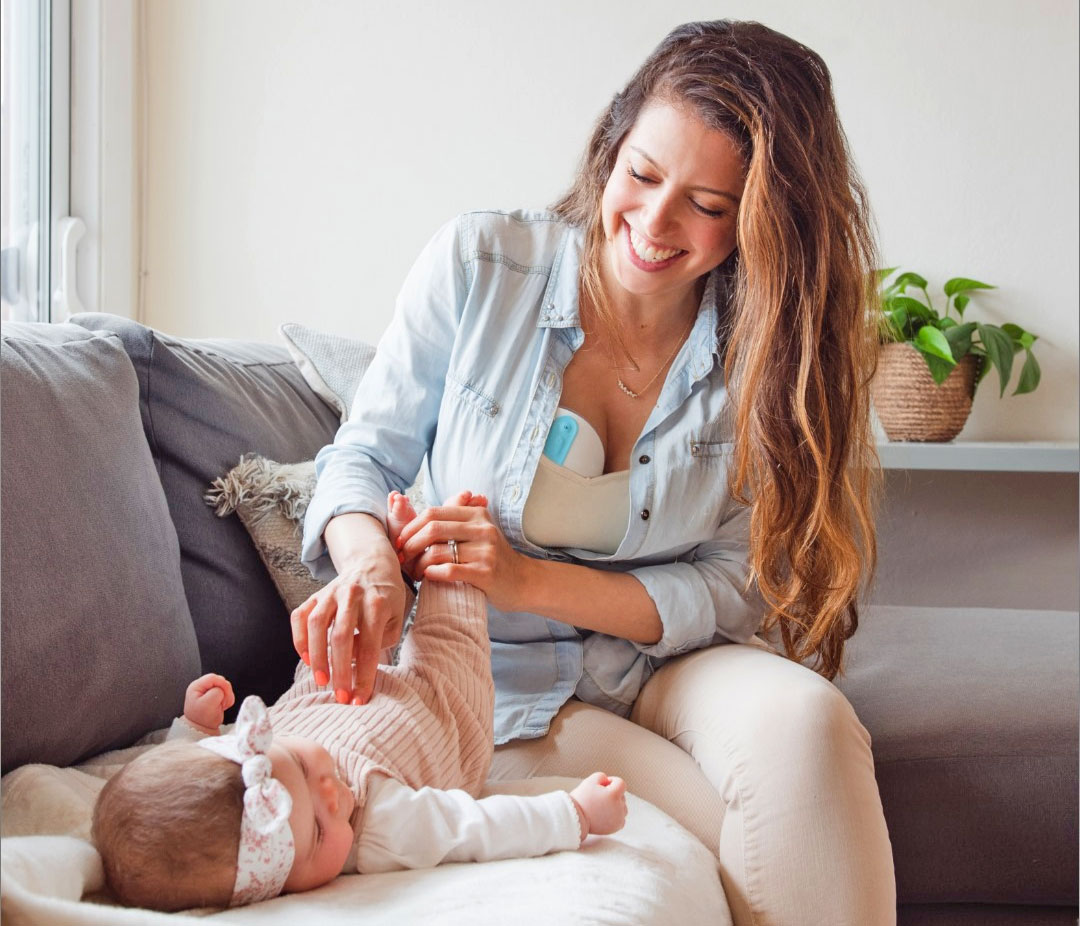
[637,395]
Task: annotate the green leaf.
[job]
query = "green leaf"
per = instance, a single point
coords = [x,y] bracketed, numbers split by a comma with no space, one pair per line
[983,364]
[912,306]
[939,369]
[897,322]
[946,323]
[1023,339]
[960,302]
[933,343]
[963,285]
[959,338]
[999,350]
[1029,375]
[909,279]
[885,273]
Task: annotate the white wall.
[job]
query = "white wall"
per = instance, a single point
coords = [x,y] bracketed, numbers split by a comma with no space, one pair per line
[300,154]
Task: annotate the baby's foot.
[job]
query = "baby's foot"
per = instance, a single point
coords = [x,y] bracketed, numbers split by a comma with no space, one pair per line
[399,512]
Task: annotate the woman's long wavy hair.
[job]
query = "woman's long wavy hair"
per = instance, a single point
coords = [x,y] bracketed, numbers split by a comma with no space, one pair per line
[800,347]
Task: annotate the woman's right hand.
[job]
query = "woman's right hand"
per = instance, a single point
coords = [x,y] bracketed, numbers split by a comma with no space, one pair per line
[341,629]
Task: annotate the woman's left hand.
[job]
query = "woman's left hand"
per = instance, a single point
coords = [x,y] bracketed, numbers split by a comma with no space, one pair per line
[485,558]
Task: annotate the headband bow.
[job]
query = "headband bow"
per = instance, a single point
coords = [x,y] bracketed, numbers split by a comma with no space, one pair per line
[267,850]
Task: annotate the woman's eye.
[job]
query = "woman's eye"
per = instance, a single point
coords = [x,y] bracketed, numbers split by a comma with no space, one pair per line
[711,213]
[638,177]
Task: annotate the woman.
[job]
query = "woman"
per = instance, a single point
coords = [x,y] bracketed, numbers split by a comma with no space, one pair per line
[694,307]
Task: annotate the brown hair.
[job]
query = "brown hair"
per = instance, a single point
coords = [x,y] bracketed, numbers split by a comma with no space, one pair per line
[800,347]
[167,826]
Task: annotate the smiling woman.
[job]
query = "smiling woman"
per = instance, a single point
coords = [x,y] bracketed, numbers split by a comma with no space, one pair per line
[693,311]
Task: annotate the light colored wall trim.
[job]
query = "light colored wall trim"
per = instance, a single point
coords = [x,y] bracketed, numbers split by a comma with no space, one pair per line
[105,99]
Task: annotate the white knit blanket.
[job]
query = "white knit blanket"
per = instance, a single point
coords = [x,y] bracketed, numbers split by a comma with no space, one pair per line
[651,873]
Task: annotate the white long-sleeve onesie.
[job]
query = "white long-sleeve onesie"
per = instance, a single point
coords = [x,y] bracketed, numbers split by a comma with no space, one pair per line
[407,827]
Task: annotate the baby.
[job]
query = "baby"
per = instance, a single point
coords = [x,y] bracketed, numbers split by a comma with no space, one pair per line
[295,795]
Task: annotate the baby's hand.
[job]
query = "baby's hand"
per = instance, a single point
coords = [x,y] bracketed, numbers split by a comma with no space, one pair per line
[602,801]
[207,699]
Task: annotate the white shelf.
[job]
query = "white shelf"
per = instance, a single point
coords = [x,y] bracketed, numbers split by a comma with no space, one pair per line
[990,456]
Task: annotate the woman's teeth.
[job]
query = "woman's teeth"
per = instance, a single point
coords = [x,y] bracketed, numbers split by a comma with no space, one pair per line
[648,253]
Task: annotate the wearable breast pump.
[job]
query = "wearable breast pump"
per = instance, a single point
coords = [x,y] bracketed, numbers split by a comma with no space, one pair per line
[573,442]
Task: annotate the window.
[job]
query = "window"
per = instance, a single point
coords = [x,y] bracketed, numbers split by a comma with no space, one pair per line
[37,269]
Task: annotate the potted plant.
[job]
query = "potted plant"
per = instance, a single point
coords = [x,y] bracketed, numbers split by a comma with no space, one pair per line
[931,364]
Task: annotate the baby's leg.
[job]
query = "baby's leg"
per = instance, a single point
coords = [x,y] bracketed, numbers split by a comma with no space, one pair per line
[446,661]
[399,512]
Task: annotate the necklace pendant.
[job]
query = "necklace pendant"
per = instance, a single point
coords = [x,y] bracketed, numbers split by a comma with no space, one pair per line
[630,392]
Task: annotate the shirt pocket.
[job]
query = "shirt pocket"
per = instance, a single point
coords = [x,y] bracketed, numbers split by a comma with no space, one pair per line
[710,450]
[465,392]
[698,484]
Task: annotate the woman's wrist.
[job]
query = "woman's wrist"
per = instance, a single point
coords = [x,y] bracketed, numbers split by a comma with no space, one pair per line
[530,581]
[357,540]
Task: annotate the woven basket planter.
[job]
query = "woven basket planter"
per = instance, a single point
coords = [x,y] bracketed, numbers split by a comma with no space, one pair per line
[910,405]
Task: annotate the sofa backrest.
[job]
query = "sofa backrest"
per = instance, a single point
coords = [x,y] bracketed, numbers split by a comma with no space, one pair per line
[205,403]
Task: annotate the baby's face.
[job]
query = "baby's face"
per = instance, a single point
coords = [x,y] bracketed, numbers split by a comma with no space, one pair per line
[322,805]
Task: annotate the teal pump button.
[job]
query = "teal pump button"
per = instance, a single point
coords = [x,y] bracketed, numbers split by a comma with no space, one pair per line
[561,436]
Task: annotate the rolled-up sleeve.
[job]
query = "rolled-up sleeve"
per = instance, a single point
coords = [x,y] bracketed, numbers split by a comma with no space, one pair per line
[702,600]
[394,414]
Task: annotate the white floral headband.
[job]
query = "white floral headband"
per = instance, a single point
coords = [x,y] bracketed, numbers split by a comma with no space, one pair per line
[267,850]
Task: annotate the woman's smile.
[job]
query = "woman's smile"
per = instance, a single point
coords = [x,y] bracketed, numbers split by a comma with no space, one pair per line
[647,255]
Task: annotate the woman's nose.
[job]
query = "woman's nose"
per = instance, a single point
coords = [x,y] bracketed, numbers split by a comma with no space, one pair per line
[656,218]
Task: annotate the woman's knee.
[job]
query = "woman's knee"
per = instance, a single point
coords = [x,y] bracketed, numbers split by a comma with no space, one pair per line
[739,705]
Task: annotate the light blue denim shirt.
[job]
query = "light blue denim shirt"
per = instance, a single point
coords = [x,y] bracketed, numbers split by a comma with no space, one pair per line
[467,378]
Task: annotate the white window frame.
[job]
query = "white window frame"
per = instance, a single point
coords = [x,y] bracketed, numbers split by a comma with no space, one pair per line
[106,97]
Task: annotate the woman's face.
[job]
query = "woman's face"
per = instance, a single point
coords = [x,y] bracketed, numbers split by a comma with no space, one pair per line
[671,203]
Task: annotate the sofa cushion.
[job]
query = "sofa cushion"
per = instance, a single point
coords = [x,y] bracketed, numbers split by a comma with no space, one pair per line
[205,403]
[973,714]
[98,643]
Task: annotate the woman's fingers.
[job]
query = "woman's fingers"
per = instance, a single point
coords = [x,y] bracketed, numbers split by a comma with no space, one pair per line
[437,513]
[319,620]
[377,612]
[440,531]
[347,617]
[298,623]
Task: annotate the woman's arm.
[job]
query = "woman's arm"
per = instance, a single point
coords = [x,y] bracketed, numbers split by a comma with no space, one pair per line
[366,595]
[593,599]
[664,609]
[614,603]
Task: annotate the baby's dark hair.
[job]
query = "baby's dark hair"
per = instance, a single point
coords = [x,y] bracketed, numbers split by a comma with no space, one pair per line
[168,828]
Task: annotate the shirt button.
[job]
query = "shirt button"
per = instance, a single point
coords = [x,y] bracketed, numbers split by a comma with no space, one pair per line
[645,515]
[515,491]
[551,380]
[644,458]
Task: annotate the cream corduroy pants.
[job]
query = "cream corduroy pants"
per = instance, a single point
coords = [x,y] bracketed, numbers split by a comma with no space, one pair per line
[764,761]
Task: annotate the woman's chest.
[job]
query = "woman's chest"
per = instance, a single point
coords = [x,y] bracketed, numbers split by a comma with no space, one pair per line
[590,389]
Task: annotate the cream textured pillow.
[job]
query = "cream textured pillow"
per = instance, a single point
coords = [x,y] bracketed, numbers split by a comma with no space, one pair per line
[270,499]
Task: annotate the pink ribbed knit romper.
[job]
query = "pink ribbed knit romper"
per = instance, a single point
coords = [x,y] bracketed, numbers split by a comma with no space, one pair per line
[429,720]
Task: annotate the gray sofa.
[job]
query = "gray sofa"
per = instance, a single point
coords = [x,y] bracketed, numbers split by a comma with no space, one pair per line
[119,583]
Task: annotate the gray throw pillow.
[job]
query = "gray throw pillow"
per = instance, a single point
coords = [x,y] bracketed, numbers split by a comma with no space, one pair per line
[332,365]
[98,644]
[206,403]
